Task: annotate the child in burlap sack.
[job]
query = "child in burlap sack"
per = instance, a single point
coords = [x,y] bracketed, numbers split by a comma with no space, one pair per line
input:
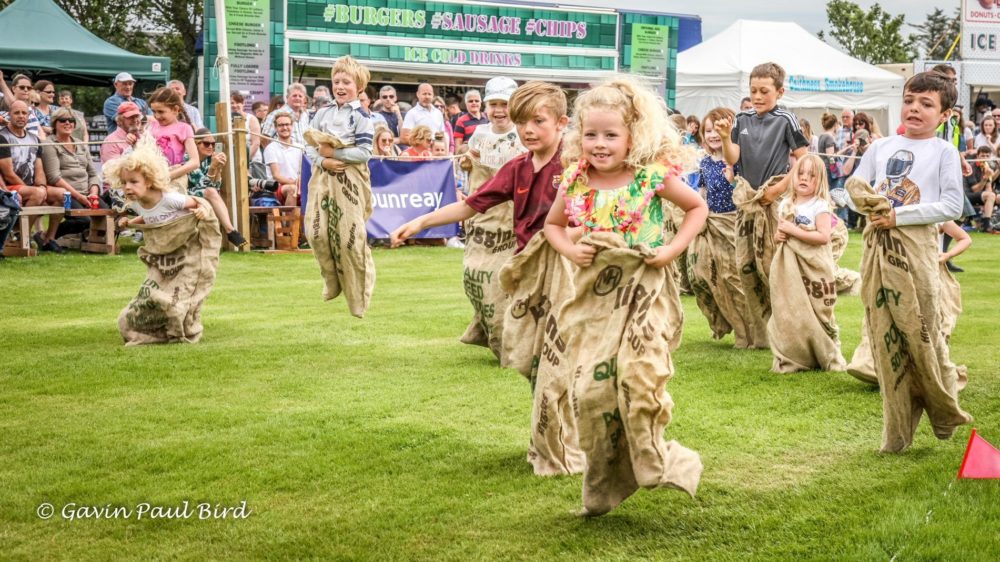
[534,276]
[918,183]
[339,144]
[715,279]
[181,251]
[623,159]
[802,330]
[489,237]
[760,142]
[862,366]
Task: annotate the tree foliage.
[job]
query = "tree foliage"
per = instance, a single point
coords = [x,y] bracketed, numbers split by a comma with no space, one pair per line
[874,36]
[147,27]
[937,34]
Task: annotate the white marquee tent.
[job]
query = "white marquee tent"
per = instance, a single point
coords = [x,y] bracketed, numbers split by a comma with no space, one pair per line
[820,77]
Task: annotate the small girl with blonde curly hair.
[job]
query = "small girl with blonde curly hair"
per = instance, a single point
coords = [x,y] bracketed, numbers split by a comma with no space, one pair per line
[144,177]
[623,158]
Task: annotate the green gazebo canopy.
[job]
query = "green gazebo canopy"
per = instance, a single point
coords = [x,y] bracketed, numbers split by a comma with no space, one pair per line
[38,37]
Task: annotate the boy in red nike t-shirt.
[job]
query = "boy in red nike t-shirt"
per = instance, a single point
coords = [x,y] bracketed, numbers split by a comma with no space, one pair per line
[538,110]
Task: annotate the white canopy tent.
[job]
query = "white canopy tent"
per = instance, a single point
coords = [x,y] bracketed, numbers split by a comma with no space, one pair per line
[820,77]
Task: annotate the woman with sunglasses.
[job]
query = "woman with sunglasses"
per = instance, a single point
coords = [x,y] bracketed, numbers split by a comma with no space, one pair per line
[22,91]
[46,102]
[69,166]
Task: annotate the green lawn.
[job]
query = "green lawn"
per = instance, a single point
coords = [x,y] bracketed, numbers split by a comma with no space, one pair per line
[387,439]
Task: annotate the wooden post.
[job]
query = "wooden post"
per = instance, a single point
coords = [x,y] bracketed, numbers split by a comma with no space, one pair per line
[239,161]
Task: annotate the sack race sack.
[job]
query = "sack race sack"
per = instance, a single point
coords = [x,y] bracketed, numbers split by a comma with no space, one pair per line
[901,290]
[756,224]
[537,282]
[673,218]
[181,257]
[862,365]
[848,281]
[620,326]
[715,280]
[802,330]
[338,206]
[489,243]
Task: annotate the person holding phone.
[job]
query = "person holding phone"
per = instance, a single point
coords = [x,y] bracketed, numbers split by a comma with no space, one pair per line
[206,181]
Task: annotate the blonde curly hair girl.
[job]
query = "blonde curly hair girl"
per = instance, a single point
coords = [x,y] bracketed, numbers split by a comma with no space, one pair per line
[145,159]
[652,136]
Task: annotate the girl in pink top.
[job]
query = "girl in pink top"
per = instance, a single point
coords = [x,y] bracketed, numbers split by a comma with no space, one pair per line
[174,135]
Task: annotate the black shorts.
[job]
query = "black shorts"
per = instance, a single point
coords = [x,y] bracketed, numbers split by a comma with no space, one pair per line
[975,198]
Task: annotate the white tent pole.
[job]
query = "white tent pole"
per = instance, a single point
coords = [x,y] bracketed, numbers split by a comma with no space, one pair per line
[222,62]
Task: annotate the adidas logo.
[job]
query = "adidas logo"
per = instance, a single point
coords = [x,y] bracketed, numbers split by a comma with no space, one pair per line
[744,131]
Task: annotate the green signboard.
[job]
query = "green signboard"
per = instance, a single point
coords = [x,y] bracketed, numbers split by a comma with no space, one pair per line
[490,23]
[650,49]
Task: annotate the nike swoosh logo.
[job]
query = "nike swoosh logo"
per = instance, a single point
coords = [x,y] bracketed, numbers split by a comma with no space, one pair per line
[521,190]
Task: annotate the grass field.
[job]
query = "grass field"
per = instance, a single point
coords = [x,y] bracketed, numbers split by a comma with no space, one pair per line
[386,439]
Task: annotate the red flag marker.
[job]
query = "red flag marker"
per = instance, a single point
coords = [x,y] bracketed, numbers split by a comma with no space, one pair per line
[981,460]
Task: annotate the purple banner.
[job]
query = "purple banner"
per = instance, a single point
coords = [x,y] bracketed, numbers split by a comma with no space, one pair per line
[403,190]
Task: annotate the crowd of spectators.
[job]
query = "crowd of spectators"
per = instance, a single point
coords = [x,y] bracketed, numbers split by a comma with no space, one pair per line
[33,113]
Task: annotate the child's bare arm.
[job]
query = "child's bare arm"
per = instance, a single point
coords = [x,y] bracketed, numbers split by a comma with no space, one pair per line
[557,234]
[197,210]
[695,212]
[818,237]
[455,212]
[730,150]
[194,160]
[961,238]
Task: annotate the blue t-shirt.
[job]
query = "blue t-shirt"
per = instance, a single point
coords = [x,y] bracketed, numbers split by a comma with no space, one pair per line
[720,191]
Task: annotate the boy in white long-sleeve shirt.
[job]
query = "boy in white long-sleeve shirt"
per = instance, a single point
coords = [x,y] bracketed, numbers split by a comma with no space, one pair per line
[921,175]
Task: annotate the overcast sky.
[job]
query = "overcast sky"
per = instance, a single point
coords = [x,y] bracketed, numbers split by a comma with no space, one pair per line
[717,15]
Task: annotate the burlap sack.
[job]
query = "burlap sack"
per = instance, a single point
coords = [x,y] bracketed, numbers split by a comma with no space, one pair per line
[489,243]
[715,280]
[901,290]
[538,280]
[619,326]
[802,330]
[756,224]
[339,205]
[181,257]
[862,366]
[848,281]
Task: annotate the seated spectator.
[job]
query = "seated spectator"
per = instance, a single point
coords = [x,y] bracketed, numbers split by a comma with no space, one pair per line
[473,117]
[439,147]
[448,131]
[980,185]
[124,85]
[988,134]
[80,132]
[390,110]
[128,128]
[46,103]
[259,110]
[22,92]
[296,100]
[284,163]
[253,125]
[194,115]
[384,144]
[366,97]
[22,171]
[420,143]
[68,165]
[205,181]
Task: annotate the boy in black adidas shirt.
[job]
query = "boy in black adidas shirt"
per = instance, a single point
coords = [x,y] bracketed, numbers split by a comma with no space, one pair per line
[761,139]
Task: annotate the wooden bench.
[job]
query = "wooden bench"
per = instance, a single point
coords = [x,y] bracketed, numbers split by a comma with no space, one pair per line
[102,237]
[279,230]
[22,231]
